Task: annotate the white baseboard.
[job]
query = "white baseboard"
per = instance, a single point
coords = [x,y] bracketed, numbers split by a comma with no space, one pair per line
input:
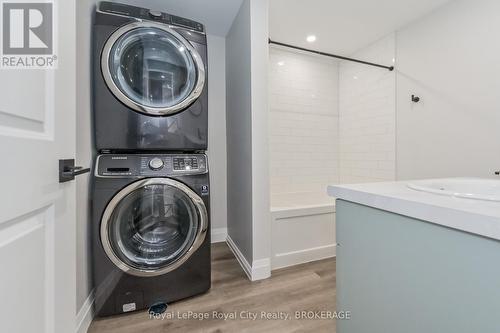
[240,257]
[259,270]
[85,315]
[281,260]
[218,235]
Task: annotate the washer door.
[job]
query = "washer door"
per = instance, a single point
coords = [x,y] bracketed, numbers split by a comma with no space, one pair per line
[153,226]
[152,68]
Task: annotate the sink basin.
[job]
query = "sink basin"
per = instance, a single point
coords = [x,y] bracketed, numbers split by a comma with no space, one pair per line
[470,188]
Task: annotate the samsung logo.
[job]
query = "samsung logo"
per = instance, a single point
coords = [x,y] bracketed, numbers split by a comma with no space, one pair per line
[119,157]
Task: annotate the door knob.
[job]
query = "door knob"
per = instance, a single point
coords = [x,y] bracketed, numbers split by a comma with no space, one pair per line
[68,170]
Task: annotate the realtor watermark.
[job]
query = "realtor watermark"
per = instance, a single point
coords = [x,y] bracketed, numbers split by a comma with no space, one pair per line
[252,315]
[28,34]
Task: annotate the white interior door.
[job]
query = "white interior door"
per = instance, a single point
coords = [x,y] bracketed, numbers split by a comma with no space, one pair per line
[37,215]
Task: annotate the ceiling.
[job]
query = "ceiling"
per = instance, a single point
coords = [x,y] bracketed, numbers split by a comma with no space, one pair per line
[342,26]
[216,15]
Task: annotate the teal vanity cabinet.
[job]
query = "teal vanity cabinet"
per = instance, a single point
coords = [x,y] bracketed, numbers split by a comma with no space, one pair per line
[396,274]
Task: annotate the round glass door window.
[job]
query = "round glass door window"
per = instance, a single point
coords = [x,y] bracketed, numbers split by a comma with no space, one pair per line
[152,227]
[152,69]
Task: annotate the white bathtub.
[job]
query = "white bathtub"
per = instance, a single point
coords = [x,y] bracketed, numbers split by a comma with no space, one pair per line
[303,229]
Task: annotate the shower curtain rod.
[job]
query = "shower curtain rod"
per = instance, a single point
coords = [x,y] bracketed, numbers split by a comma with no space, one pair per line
[391,68]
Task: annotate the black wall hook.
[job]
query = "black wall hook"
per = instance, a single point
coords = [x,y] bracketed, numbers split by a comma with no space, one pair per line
[415,99]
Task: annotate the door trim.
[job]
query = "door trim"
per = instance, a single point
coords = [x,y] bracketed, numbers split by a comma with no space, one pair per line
[200,236]
[200,75]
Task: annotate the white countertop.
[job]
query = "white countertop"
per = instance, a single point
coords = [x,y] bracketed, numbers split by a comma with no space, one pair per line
[474,216]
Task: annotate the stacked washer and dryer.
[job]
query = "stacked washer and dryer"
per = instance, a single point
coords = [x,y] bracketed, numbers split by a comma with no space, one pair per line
[150,239]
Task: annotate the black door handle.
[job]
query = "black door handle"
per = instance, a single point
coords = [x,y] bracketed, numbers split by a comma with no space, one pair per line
[68,170]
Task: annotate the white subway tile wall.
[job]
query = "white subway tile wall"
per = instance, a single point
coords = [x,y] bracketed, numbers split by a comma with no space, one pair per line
[367,113]
[303,126]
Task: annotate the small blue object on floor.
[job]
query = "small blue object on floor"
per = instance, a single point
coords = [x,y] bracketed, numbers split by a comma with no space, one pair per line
[158,308]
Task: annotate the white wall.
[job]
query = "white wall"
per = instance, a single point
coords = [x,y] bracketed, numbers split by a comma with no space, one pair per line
[368,116]
[303,126]
[249,232]
[451,59]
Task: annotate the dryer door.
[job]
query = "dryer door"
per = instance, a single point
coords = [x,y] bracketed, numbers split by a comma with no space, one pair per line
[152,69]
[153,226]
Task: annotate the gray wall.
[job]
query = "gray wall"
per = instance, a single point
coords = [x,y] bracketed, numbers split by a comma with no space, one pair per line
[239,132]
[217,131]
[249,221]
[84,148]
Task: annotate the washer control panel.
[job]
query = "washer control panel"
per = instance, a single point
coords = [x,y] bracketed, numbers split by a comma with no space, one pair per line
[131,166]
[185,163]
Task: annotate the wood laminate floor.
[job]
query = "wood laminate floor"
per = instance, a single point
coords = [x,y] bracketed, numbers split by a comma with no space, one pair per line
[307,287]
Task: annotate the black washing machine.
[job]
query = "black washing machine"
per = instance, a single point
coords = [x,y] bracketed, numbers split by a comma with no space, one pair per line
[150,80]
[150,230]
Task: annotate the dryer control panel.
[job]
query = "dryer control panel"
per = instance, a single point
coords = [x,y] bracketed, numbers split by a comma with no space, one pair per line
[150,165]
[150,15]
